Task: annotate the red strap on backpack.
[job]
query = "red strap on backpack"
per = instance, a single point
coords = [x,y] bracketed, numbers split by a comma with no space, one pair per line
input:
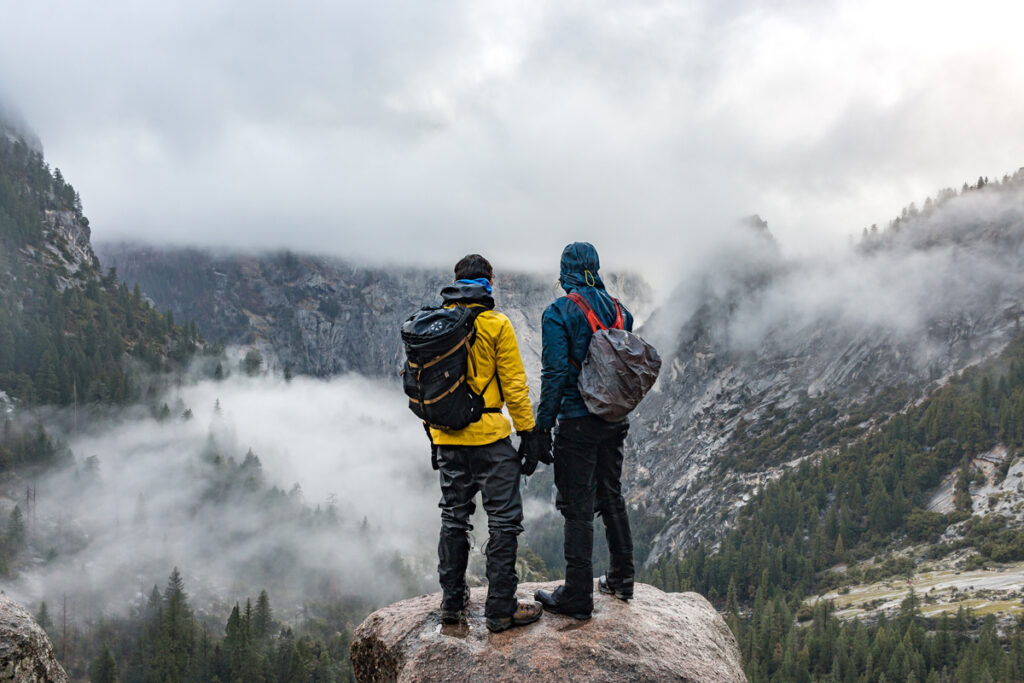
[592,319]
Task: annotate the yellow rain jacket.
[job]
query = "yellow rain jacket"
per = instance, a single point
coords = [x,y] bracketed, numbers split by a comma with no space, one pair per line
[495,350]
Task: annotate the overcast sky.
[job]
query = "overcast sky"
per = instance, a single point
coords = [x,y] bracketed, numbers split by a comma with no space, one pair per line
[422,131]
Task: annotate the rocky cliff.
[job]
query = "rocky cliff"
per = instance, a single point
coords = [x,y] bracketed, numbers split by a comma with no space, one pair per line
[26,655]
[67,333]
[655,637]
[323,316]
[769,359]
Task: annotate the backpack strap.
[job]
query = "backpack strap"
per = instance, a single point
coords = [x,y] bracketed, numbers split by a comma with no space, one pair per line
[476,314]
[466,341]
[592,319]
[500,393]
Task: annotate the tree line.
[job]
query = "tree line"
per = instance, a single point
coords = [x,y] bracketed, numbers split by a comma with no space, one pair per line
[868,497]
[164,640]
[64,336]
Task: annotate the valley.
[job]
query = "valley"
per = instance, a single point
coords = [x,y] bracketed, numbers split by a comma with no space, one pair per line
[834,440]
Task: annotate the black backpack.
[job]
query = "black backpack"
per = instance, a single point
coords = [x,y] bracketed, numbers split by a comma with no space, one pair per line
[435,376]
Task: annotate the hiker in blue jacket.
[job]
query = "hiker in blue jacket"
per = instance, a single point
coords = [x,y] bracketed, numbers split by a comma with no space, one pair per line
[587,449]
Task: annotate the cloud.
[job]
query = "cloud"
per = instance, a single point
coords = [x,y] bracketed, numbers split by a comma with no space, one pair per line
[941,281]
[515,128]
[145,495]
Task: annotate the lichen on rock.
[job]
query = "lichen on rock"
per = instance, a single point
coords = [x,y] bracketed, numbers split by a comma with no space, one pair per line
[656,636]
[26,654]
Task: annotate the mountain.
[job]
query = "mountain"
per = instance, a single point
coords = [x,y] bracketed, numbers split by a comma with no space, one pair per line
[67,331]
[870,526]
[828,432]
[770,360]
[321,316]
[112,492]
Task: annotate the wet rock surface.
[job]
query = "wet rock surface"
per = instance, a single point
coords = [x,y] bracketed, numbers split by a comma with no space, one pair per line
[656,636]
[26,654]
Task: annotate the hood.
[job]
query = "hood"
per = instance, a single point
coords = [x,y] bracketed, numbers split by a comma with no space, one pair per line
[580,264]
[463,292]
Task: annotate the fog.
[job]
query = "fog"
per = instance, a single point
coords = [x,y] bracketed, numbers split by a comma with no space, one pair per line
[920,284]
[513,128]
[357,492]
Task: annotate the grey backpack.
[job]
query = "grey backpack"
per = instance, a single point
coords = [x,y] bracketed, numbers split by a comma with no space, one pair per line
[619,369]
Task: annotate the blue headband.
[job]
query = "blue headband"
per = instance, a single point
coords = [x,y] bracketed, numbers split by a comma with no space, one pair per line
[482,281]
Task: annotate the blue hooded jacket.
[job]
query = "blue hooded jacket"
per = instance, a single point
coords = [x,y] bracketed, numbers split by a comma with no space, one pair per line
[566,334]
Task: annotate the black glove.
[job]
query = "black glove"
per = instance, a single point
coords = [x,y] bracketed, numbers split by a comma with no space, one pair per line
[527,452]
[534,447]
[542,445]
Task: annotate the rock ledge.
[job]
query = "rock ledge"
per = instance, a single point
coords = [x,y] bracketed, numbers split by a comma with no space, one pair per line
[26,655]
[655,637]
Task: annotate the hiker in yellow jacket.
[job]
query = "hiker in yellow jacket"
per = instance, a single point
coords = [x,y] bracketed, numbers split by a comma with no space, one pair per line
[481,458]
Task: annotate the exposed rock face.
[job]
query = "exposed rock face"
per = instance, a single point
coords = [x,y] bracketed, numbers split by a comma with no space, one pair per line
[323,316]
[26,655]
[767,359]
[655,637]
[763,354]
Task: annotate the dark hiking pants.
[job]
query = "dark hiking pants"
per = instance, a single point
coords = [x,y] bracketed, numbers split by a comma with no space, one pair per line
[493,470]
[588,474]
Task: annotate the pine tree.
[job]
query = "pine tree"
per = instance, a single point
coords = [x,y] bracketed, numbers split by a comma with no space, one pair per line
[176,631]
[47,382]
[252,362]
[839,554]
[15,531]
[962,494]
[43,618]
[103,668]
[262,617]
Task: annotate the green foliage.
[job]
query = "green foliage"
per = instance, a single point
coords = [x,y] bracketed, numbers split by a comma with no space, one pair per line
[43,617]
[65,336]
[164,641]
[867,497]
[875,239]
[252,362]
[962,491]
[778,644]
[925,526]
[869,494]
[27,446]
[811,425]
[103,668]
[993,540]
[24,445]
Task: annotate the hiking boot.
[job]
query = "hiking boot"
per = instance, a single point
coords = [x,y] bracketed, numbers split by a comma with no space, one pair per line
[455,616]
[622,591]
[554,601]
[526,613]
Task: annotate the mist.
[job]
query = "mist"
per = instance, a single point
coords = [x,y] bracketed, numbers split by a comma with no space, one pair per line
[348,129]
[342,501]
[921,284]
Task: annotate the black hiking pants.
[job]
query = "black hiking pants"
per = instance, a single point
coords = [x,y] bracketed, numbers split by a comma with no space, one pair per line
[493,470]
[588,474]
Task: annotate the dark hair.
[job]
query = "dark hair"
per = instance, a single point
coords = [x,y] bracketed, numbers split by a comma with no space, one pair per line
[472,267]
